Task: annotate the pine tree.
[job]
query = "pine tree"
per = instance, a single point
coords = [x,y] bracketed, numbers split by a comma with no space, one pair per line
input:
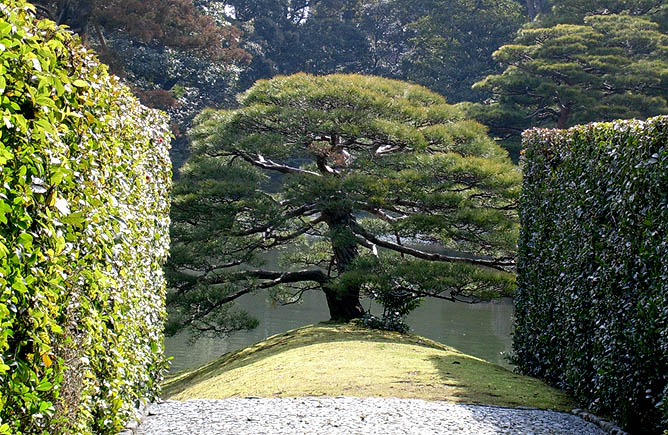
[451,42]
[574,11]
[609,67]
[365,186]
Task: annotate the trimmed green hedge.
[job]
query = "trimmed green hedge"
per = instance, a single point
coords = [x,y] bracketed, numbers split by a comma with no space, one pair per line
[84,184]
[592,300]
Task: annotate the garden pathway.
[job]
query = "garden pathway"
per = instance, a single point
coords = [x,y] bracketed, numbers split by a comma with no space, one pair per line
[347,415]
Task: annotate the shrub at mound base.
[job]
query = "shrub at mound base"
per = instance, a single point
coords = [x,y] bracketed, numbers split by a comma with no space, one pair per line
[84,184]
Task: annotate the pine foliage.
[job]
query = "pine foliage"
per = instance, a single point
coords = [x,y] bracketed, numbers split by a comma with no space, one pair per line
[361,184]
[603,68]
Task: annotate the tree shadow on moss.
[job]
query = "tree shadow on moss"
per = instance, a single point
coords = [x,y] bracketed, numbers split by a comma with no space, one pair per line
[481,382]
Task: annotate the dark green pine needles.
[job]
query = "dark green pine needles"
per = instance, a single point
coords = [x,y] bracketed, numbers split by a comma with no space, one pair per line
[607,67]
[361,186]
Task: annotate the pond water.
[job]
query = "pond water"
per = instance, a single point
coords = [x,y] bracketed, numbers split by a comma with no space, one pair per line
[482,330]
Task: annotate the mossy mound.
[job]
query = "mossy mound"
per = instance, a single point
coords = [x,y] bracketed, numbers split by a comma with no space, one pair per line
[345,360]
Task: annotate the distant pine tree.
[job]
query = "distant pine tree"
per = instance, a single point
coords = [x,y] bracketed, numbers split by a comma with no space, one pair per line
[609,67]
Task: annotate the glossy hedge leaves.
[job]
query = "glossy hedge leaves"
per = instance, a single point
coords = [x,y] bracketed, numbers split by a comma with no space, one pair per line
[592,300]
[84,179]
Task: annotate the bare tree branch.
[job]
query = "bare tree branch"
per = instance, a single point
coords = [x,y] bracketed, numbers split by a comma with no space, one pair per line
[502,264]
[275,277]
[383,215]
[261,162]
[278,277]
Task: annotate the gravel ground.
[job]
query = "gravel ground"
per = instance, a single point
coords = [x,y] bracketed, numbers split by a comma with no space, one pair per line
[347,415]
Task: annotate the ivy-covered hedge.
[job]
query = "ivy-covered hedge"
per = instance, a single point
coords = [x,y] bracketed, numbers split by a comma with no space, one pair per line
[84,184]
[592,299]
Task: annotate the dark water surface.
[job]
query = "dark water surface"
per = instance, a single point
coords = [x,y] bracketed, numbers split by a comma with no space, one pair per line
[482,330]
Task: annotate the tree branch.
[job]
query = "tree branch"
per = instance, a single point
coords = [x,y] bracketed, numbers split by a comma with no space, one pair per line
[261,162]
[298,232]
[275,277]
[278,277]
[383,215]
[501,264]
[303,210]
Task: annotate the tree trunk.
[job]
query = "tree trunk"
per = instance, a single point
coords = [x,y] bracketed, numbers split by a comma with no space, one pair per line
[344,305]
[103,42]
[564,113]
[76,14]
[536,7]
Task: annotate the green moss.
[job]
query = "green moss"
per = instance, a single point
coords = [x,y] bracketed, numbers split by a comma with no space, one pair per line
[335,360]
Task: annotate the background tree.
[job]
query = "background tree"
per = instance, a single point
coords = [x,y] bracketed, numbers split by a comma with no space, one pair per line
[175,24]
[537,7]
[384,25]
[445,45]
[574,11]
[451,42]
[610,67]
[335,40]
[363,185]
[288,36]
[174,56]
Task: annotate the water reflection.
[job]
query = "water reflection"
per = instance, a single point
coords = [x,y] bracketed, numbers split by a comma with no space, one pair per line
[482,330]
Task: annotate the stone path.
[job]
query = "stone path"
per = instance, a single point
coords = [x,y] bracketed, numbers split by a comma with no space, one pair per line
[347,415]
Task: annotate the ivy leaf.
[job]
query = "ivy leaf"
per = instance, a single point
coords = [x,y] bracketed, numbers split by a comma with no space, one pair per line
[5,154]
[76,218]
[36,65]
[62,206]
[26,240]
[4,209]
[45,385]
[19,286]
[46,360]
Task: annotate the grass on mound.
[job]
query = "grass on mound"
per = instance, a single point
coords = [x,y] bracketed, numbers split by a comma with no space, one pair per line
[345,360]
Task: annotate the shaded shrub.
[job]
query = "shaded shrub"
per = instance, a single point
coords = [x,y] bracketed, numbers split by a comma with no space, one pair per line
[84,183]
[157,98]
[592,299]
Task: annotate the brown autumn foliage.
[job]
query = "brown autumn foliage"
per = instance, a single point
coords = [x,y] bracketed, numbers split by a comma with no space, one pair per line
[156,98]
[173,23]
